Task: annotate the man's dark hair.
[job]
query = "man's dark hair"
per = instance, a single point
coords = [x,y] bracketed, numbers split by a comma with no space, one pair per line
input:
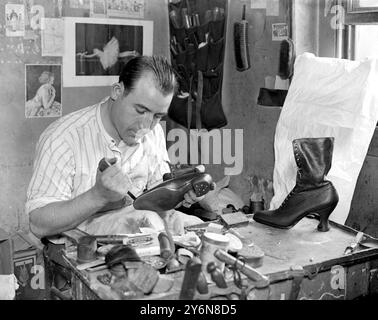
[158,66]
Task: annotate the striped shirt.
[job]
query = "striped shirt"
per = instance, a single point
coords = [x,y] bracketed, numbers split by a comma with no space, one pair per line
[69,150]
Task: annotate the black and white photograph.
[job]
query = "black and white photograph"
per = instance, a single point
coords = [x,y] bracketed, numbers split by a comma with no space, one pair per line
[43,91]
[15,20]
[189,158]
[101,48]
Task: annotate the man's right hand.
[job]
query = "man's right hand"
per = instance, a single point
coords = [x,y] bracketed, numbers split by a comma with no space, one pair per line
[111,183]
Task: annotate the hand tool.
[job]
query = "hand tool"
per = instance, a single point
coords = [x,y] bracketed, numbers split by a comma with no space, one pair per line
[189,284]
[105,163]
[354,244]
[130,239]
[261,280]
[165,246]
[216,275]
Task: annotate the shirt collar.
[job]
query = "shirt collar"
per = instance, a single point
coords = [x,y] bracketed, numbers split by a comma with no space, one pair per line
[108,138]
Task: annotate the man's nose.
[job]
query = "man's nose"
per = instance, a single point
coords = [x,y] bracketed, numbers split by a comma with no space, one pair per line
[148,120]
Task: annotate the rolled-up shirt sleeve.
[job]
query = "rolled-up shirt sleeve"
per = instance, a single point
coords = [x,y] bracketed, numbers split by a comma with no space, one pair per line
[53,172]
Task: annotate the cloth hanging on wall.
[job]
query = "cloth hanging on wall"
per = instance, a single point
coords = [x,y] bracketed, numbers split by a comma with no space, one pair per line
[328,97]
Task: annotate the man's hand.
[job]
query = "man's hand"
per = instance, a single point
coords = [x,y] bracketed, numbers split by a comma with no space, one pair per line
[191,198]
[112,183]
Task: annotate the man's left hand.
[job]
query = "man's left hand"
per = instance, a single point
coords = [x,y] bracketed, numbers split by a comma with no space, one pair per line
[190,198]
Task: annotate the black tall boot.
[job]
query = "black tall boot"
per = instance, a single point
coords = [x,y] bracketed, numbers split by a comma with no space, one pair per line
[311,194]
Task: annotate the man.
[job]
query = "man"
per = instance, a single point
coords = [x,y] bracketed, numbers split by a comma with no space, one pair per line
[67,189]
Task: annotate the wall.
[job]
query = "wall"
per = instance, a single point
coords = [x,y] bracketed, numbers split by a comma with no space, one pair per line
[312,32]
[240,92]
[19,135]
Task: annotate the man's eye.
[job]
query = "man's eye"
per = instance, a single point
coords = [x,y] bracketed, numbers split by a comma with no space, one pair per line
[158,116]
[141,111]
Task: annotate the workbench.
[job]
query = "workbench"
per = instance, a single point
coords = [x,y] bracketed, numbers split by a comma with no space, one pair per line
[301,263]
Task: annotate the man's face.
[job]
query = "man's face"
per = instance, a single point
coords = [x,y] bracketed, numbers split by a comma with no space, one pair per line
[137,113]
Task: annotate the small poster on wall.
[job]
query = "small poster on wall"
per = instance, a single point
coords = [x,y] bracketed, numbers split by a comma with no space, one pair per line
[98,8]
[280,31]
[126,8]
[43,96]
[34,13]
[96,50]
[15,20]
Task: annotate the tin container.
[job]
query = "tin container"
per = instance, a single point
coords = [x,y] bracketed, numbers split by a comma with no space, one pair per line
[210,243]
[86,249]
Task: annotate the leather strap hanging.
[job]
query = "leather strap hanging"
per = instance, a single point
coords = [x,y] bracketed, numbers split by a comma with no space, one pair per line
[189,117]
[199,100]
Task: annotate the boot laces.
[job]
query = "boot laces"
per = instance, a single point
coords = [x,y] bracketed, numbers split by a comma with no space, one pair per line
[292,192]
[299,172]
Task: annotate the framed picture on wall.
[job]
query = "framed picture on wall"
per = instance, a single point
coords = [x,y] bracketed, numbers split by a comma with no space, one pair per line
[43,85]
[97,49]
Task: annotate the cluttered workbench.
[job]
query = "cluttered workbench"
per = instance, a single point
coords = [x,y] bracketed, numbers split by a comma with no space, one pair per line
[257,262]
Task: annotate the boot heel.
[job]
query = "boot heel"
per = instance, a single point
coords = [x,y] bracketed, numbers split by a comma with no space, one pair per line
[324,214]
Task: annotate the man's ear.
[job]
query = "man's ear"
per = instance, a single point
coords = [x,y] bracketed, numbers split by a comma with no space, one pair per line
[117,90]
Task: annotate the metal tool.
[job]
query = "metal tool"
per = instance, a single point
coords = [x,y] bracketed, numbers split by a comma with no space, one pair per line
[105,163]
[261,280]
[354,244]
[132,239]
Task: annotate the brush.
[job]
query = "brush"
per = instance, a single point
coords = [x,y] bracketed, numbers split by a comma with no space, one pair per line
[286,59]
[241,45]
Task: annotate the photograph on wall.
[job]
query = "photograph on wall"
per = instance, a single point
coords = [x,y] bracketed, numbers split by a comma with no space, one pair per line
[280,31]
[14,20]
[98,8]
[52,37]
[126,8]
[43,96]
[34,13]
[101,47]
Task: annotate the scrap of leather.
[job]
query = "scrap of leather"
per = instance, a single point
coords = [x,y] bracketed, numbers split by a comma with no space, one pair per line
[144,278]
[119,254]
